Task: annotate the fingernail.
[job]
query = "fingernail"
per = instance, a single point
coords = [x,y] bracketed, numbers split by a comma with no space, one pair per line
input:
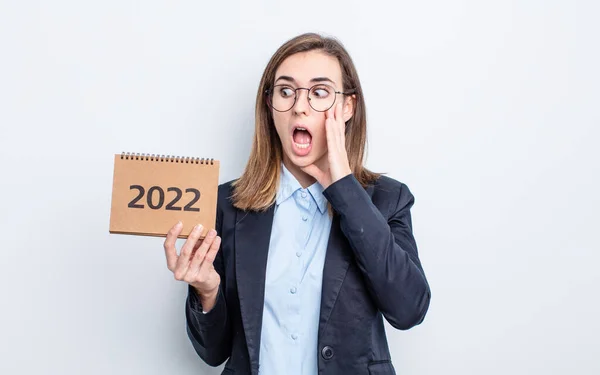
[213,232]
[198,227]
[179,224]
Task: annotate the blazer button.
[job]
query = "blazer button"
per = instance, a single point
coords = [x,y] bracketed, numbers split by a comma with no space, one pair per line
[327,352]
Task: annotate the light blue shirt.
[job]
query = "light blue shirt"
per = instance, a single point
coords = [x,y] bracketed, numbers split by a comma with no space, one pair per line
[301,226]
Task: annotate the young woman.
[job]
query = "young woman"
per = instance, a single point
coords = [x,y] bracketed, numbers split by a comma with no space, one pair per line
[311,250]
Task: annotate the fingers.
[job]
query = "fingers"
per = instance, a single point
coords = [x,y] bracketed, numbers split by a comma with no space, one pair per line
[199,257]
[186,251]
[210,256]
[169,245]
[196,246]
[339,116]
[330,129]
[336,112]
[329,119]
[330,113]
[340,126]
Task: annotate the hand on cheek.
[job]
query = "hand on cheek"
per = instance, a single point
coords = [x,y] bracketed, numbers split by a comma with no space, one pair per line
[337,165]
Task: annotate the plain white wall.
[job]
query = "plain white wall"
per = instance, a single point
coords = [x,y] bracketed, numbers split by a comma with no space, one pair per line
[488,110]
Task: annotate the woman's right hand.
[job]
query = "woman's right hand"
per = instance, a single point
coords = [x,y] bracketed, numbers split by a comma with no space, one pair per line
[194,264]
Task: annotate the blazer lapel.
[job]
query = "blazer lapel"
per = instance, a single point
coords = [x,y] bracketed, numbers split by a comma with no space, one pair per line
[337,260]
[252,237]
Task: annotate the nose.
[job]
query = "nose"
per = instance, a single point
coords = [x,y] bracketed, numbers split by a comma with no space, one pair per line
[301,105]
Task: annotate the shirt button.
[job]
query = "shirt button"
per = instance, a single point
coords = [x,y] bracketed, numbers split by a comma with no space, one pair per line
[298,254]
[304,218]
[303,195]
[293,290]
[294,336]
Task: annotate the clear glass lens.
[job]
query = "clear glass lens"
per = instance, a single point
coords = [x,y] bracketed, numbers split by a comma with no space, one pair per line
[321,97]
[283,98]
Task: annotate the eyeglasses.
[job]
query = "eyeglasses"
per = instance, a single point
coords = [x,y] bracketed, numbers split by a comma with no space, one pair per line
[321,97]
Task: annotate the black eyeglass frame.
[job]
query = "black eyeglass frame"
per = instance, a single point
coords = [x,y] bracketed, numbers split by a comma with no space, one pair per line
[268,92]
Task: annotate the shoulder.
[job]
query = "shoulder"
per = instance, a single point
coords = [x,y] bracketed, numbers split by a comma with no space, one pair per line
[225,209]
[394,192]
[224,195]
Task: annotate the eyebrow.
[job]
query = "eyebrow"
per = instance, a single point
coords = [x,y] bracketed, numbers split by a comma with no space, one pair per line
[314,80]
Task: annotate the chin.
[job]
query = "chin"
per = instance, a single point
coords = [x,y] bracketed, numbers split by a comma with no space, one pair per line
[304,161]
[300,161]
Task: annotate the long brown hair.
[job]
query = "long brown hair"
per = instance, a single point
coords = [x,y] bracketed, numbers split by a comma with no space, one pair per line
[256,189]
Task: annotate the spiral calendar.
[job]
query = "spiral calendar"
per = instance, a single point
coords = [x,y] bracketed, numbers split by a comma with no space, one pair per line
[151,193]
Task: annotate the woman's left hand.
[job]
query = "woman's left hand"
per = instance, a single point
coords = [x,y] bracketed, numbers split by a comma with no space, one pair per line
[337,165]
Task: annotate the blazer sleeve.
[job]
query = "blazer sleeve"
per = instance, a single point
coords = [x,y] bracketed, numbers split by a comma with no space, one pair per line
[385,250]
[210,333]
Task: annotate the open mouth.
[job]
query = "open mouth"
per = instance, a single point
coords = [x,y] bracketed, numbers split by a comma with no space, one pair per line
[302,137]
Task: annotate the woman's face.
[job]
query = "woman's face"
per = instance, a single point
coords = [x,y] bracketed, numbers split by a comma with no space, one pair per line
[302,128]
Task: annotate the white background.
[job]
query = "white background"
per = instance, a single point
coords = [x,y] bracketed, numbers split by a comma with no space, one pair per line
[487,110]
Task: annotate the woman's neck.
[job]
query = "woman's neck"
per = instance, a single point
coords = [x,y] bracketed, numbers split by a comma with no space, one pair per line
[303,178]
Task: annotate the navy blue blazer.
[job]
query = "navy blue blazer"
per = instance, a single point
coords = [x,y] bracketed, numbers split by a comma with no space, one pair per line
[372,270]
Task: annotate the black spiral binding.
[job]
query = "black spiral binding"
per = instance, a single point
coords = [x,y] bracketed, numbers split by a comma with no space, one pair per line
[166,158]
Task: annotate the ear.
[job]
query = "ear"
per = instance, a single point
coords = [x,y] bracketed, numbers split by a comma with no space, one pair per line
[348,108]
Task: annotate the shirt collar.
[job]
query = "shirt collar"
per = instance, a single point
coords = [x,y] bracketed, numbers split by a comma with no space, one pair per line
[316,190]
[288,184]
